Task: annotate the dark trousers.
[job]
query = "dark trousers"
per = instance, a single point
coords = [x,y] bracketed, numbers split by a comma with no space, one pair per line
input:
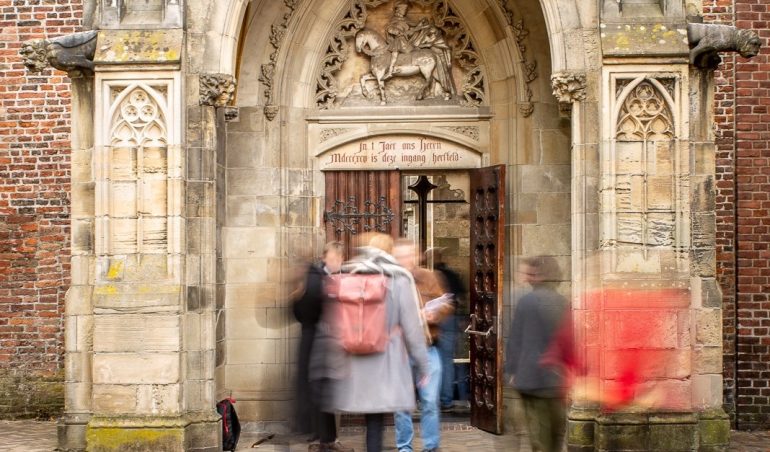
[374,427]
[546,422]
[327,428]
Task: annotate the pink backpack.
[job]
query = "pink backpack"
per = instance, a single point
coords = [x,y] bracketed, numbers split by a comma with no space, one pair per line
[361,312]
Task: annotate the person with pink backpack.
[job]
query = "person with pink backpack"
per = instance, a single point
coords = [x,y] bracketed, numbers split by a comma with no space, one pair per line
[367,337]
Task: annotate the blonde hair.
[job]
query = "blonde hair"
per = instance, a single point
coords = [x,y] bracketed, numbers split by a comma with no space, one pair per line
[337,247]
[377,240]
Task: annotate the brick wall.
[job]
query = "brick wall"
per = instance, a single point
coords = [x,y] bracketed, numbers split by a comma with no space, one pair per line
[34,210]
[743,214]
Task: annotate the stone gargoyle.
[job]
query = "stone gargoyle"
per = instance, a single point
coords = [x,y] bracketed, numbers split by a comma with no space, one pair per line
[71,53]
[708,39]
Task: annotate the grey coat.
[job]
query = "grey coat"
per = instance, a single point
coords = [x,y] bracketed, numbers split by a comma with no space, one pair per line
[381,382]
[537,316]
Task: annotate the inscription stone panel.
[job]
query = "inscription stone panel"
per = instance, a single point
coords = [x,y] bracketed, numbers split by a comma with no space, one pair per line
[399,152]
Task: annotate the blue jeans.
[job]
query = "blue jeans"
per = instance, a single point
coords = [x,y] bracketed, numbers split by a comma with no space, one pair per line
[446,348]
[429,412]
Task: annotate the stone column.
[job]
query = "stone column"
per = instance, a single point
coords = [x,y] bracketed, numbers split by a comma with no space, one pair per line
[152,340]
[646,303]
[78,315]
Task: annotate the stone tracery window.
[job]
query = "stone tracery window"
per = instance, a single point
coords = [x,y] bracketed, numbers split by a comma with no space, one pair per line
[645,116]
[138,172]
[644,167]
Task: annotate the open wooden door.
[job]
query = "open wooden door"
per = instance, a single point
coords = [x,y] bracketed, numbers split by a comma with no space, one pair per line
[487,243]
[361,201]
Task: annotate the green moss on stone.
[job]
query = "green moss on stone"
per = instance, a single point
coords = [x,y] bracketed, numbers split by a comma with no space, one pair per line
[134,439]
[714,431]
[31,395]
[580,433]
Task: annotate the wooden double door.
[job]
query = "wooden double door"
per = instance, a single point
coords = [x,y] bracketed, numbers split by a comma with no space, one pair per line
[371,201]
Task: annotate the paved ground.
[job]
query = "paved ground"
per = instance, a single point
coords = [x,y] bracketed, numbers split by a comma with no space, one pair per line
[30,436]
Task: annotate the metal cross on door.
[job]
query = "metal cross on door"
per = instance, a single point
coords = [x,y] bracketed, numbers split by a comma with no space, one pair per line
[361,201]
[487,215]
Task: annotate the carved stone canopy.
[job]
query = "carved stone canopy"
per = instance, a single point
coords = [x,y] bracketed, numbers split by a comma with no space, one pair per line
[216,90]
[71,53]
[706,40]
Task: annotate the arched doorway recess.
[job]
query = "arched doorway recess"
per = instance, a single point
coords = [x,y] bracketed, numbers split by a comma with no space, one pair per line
[277,159]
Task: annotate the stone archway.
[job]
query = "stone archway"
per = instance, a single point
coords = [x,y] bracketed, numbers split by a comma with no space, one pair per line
[190,234]
[520,125]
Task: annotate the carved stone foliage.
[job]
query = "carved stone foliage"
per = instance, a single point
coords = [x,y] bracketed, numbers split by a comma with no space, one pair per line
[71,53]
[645,170]
[267,70]
[328,134]
[216,90]
[568,88]
[435,61]
[708,39]
[471,132]
[529,66]
[137,162]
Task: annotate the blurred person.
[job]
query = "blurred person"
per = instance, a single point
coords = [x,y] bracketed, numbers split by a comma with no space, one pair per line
[378,383]
[308,307]
[435,309]
[448,329]
[537,318]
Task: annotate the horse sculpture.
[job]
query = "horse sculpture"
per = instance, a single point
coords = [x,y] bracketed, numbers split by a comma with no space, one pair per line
[418,61]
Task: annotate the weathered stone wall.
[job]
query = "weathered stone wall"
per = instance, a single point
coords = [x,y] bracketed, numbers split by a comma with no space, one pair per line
[742,89]
[724,118]
[34,210]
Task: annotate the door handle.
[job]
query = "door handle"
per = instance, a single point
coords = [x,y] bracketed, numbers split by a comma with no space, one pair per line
[480,333]
[472,324]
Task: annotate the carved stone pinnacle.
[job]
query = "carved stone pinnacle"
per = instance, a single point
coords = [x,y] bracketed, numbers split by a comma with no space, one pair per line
[216,90]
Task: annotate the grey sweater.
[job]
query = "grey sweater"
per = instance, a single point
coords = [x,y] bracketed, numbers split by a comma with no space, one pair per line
[536,319]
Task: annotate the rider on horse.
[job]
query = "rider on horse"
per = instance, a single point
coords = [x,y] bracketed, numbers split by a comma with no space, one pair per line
[398,34]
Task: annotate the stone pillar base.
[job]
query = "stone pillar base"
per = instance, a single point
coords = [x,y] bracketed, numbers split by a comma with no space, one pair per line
[589,430]
[198,433]
[71,432]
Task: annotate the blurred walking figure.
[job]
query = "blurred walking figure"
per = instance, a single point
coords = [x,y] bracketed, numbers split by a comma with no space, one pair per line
[536,321]
[308,309]
[374,383]
[448,329]
[435,305]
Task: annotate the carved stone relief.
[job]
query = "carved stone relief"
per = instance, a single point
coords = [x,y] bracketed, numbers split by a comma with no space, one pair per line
[400,53]
[471,132]
[216,90]
[71,53]
[706,40]
[138,172]
[568,88]
[328,134]
[529,67]
[267,70]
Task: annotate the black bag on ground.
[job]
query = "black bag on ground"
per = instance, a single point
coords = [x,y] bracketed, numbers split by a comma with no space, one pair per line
[231,428]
